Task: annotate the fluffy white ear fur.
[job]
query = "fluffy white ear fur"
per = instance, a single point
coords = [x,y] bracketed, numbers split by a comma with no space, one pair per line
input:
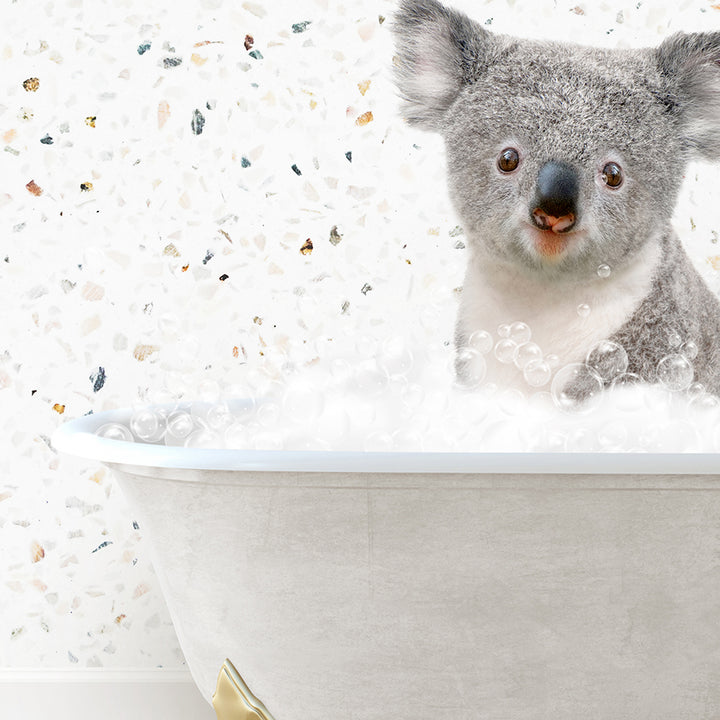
[437,53]
[691,63]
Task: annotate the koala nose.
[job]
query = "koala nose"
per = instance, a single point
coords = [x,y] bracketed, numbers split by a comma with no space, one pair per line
[556,195]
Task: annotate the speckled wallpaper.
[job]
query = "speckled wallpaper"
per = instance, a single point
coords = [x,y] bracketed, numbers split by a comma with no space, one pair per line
[187,188]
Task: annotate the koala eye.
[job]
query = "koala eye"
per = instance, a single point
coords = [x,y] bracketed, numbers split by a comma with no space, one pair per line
[612,175]
[509,160]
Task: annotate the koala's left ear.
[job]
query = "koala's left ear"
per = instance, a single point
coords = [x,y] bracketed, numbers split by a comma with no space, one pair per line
[691,65]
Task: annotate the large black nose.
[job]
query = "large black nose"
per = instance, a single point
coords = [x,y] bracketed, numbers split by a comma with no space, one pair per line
[556,197]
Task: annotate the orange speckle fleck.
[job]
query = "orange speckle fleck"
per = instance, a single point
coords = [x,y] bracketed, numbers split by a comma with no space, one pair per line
[140,590]
[307,247]
[58,408]
[163,113]
[9,136]
[185,268]
[142,352]
[34,189]
[363,86]
[98,477]
[120,618]
[199,60]
[714,262]
[37,551]
[364,119]
[90,120]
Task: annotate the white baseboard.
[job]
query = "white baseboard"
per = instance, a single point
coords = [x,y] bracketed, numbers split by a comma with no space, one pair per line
[93,693]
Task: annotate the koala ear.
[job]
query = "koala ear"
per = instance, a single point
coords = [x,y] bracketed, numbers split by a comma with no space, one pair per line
[438,51]
[691,65]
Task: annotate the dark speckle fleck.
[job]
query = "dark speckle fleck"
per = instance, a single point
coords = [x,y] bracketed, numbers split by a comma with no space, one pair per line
[208,257]
[98,379]
[301,26]
[296,170]
[47,140]
[144,47]
[348,155]
[256,55]
[198,122]
[223,277]
[171,62]
[244,162]
[102,545]
[135,525]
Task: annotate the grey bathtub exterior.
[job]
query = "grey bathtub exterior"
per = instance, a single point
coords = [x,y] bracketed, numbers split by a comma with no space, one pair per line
[494,587]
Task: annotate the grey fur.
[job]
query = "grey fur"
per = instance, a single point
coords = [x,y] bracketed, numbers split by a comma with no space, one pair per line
[655,109]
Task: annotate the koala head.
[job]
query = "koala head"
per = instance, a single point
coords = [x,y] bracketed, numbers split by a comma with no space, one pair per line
[561,158]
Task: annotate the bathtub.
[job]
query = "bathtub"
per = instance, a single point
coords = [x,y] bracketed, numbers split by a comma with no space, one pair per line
[430,586]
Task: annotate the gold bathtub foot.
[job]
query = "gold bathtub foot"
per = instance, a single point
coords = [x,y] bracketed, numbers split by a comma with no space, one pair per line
[233,700]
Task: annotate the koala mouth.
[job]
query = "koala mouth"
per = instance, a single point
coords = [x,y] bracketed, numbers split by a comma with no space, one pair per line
[552,240]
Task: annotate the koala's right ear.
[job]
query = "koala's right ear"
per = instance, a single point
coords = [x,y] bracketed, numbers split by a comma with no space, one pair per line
[439,50]
[691,65]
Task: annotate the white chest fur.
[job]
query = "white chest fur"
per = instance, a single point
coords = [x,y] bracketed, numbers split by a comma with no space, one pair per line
[566,319]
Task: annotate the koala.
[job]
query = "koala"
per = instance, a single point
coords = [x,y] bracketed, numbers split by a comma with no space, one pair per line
[564,165]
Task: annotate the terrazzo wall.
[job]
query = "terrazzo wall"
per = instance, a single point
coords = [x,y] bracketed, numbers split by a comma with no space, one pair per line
[189,193]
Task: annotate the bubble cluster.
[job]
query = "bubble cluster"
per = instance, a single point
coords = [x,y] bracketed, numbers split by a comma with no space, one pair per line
[393,395]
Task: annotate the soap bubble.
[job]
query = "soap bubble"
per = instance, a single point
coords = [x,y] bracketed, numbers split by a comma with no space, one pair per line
[145,424]
[412,395]
[481,340]
[689,350]
[604,271]
[395,357]
[404,440]
[537,373]
[576,388]
[471,367]
[208,391]
[613,436]
[674,338]
[581,440]
[608,359]
[219,417]
[527,352]
[511,402]
[704,402]
[268,414]
[303,402]
[378,442]
[624,390]
[237,436]
[583,310]
[520,333]
[695,389]
[675,372]
[366,346]
[503,330]
[202,438]
[505,350]
[267,441]
[369,379]
[333,425]
[552,360]
[114,431]
[179,425]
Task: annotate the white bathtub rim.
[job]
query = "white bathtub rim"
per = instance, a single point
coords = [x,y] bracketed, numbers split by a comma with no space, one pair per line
[77,437]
